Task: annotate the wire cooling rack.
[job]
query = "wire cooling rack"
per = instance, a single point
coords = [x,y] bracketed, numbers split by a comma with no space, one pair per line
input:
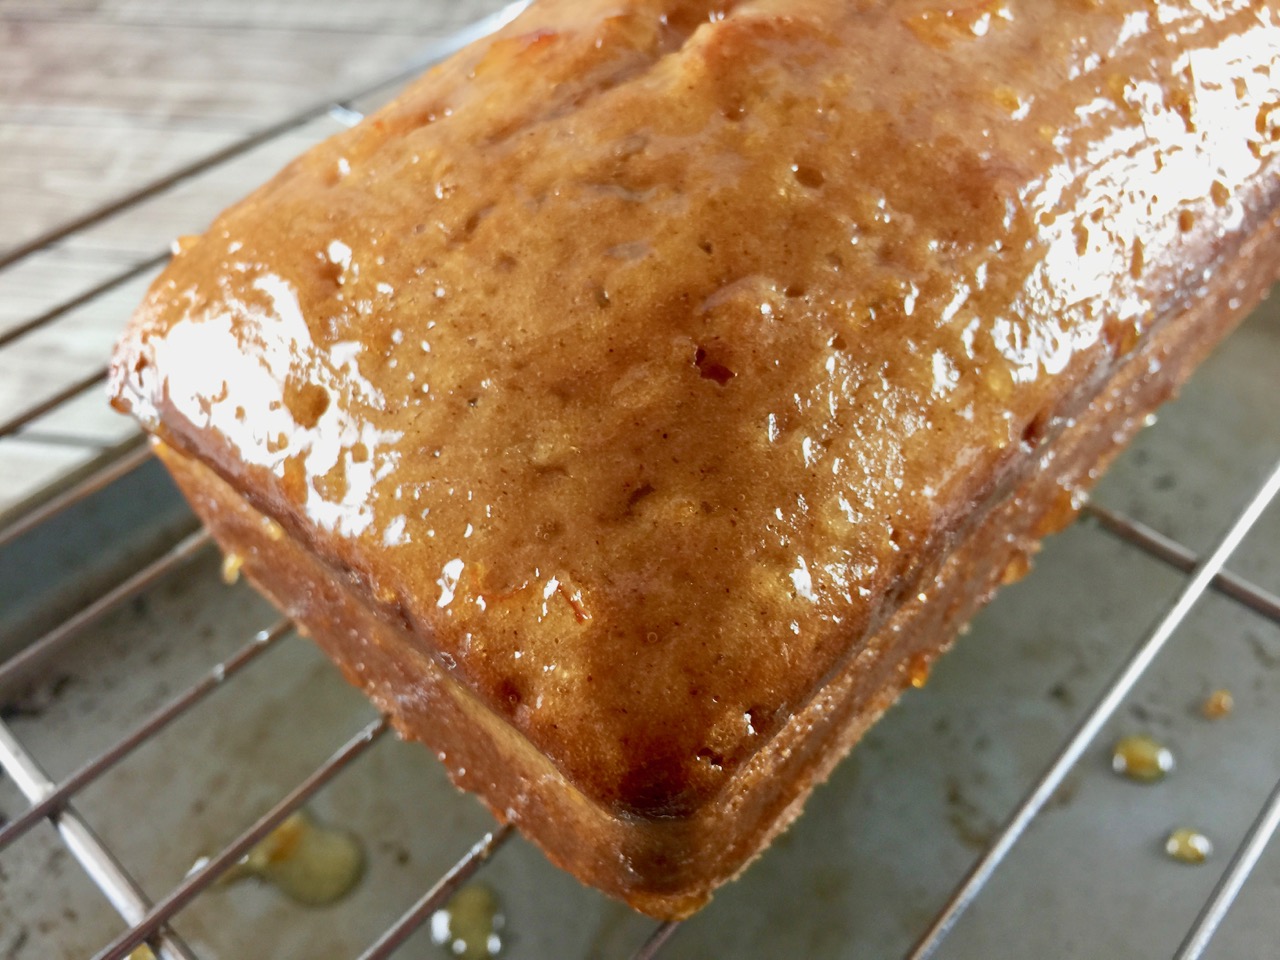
[148,921]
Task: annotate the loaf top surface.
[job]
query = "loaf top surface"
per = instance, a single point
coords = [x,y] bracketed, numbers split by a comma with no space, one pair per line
[643,356]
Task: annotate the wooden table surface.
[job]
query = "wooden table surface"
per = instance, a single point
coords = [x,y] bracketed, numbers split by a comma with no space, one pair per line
[99,99]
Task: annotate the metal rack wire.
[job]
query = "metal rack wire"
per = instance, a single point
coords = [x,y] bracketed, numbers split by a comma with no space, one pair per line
[148,921]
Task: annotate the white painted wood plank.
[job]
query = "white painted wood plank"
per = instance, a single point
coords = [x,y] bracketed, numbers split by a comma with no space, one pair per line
[41,364]
[89,112]
[148,227]
[50,278]
[86,421]
[366,16]
[26,468]
[162,72]
[49,174]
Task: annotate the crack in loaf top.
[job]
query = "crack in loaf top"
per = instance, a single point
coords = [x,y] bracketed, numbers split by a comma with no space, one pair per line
[642,354]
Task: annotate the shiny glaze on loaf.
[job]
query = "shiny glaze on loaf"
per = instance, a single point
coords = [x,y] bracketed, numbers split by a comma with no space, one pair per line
[644,358]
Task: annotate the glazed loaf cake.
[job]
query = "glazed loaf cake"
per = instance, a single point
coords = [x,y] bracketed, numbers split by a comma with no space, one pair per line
[639,402]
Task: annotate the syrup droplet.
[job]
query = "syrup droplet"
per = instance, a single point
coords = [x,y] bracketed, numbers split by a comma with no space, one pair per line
[1142,758]
[1019,566]
[918,667]
[469,926]
[1217,705]
[231,565]
[1188,846]
[180,245]
[308,862]
[1063,509]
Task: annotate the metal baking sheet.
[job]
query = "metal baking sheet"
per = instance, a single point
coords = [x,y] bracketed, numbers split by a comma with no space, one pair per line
[880,845]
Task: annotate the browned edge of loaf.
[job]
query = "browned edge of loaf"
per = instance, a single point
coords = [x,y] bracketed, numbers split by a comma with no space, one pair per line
[668,867]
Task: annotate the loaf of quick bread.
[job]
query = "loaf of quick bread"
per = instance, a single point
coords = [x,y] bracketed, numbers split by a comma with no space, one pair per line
[639,402]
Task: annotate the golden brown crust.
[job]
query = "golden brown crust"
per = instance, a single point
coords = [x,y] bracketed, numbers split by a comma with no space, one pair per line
[636,375]
[669,867]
